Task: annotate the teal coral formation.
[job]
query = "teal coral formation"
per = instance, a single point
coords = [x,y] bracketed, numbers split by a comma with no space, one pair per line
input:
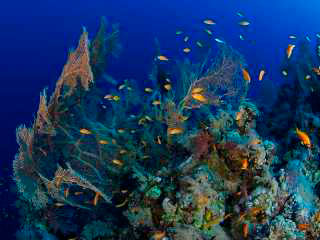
[164,164]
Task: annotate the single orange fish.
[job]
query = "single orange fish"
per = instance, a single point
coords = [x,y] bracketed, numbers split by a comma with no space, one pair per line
[163,58]
[117,162]
[209,22]
[197,90]
[85,131]
[261,74]
[245,164]
[303,226]
[245,230]
[176,130]
[186,50]
[78,193]
[246,75]
[167,86]
[103,142]
[305,140]
[199,97]
[96,198]
[290,49]
[66,192]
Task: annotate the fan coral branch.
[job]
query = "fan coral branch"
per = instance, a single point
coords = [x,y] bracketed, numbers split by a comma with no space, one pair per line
[221,82]
[77,69]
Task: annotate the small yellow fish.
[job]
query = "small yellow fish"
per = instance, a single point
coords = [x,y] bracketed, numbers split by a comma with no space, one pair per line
[156,102]
[148,90]
[148,118]
[186,50]
[116,98]
[183,118]
[58,204]
[290,49]
[103,142]
[246,75]
[261,74]
[108,96]
[255,142]
[176,130]
[167,86]
[305,140]
[117,162]
[209,22]
[197,90]
[123,151]
[85,131]
[244,23]
[158,140]
[199,97]
[163,58]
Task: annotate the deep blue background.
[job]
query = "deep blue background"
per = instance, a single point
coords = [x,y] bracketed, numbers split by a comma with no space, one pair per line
[35,37]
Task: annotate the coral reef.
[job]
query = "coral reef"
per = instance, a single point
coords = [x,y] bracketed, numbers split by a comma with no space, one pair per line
[186,159]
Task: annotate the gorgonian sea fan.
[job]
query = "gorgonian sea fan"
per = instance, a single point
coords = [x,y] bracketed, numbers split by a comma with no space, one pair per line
[222,82]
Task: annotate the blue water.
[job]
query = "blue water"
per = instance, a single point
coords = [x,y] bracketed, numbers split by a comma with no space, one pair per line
[35,37]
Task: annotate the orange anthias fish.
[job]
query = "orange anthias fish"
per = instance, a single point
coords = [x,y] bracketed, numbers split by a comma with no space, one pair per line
[261,74]
[85,131]
[199,97]
[246,75]
[96,198]
[305,140]
[245,164]
[209,22]
[290,49]
[163,58]
[245,230]
[176,130]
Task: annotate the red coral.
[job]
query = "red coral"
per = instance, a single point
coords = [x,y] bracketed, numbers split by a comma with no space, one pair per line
[201,144]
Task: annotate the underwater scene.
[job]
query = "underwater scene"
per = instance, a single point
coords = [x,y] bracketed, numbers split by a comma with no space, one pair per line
[168,120]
